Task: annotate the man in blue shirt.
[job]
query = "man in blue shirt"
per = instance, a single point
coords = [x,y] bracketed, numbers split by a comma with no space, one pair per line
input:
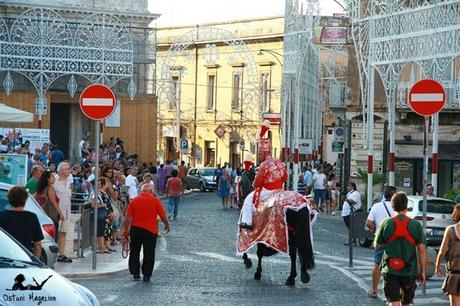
[57,156]
[307,178]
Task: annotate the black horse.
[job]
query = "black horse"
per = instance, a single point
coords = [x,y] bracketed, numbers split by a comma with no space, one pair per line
[299,242]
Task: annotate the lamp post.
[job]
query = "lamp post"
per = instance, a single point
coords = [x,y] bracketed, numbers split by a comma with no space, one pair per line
[275,54]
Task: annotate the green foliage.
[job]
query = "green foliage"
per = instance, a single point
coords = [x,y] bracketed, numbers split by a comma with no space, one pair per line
[377,178]
[451,193]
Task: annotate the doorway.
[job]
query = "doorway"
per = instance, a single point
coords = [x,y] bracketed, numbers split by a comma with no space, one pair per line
[60,126]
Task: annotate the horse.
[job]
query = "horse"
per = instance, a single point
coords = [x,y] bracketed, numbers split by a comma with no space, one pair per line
[299,241]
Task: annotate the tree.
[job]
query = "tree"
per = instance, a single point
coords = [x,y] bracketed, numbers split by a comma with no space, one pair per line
[377,179]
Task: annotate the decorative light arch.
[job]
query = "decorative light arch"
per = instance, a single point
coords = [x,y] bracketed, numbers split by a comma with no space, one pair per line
[41,46]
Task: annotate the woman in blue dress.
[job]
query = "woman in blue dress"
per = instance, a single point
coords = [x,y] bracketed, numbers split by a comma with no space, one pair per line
[224,188]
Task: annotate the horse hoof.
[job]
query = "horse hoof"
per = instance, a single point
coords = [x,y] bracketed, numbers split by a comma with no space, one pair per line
[305,278]
[248,263]
[290,281]
[257,275]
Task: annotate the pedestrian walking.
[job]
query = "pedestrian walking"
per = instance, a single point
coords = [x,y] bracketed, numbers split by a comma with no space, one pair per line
[174,190]
[319,186]
[63,187]
[450,249]
[182,172]
[161,179]
[401,237]
[224,188]
[141,222]
[378,213]
[352,203]
[21,224]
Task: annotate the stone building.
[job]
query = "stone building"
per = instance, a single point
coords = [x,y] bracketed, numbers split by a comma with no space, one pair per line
[51,50]
[216,83]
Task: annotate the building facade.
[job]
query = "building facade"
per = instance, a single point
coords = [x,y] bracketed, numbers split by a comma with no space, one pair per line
[50,51]
[216,84]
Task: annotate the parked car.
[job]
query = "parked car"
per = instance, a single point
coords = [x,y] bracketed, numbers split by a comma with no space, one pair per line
[438,214]
[49,246]
[20,268]
[202,179]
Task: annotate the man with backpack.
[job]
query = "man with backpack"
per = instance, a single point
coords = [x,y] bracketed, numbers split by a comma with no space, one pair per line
[401,237]
[379,212]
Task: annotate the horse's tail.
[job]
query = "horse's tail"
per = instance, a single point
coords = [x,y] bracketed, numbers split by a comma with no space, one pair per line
[303,238]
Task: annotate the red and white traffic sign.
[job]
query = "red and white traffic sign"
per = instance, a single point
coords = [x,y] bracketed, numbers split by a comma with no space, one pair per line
[427,97]
[97,102]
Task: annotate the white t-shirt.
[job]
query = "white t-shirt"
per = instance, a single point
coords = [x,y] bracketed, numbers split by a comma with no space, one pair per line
[378,212]
[355,196]
[80,147]
[318,180]
[133,184]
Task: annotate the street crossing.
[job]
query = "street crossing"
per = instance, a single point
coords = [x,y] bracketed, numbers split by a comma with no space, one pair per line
[361,273]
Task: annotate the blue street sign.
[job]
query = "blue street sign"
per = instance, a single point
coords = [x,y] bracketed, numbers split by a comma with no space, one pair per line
[184,144]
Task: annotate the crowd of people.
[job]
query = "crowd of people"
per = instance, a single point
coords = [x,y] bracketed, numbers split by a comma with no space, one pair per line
[55,182]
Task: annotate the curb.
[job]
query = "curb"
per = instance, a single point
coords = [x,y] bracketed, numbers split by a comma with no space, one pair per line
[95,275]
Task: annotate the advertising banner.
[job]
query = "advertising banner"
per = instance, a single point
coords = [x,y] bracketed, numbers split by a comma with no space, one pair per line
[37,137]
[13,169]
[334,35]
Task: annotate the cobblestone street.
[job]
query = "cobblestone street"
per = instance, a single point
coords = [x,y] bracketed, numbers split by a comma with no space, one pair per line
[198,266]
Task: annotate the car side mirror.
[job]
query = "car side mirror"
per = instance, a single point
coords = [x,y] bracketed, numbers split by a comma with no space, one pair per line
[410,209]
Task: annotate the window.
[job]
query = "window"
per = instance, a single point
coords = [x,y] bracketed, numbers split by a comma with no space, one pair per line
[265,92]
[174,97]
[236,91]
[211,92]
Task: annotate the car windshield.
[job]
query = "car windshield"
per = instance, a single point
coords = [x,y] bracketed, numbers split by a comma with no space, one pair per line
[438,206]
[207,172]
[11,250]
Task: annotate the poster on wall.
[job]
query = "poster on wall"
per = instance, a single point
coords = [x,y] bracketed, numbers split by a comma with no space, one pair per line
[36,137]
[114,119]
[13,169]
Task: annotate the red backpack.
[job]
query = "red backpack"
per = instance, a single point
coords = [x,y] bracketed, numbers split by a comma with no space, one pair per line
[401,232]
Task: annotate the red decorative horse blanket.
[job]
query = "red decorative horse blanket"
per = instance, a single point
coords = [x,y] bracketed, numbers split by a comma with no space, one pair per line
[269,224]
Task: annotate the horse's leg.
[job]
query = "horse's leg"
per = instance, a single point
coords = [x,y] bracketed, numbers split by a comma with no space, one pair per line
[292,254]
[247,261]
[304,276]
[260,254]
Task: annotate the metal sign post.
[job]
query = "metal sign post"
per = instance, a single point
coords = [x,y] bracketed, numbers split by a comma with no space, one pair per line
[96,192]
[97,102]
[425,179]
[426,98]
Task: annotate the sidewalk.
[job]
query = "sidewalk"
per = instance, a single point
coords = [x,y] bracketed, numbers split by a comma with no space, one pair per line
[106,264]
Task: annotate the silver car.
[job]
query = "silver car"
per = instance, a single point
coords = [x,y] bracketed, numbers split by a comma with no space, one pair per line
[202,179]
[49,246]
[439,213]
[27,281]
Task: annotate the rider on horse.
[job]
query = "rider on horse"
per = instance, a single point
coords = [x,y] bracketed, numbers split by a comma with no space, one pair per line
[270,177]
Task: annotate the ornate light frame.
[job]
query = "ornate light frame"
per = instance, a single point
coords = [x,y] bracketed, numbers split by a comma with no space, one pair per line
[41,46]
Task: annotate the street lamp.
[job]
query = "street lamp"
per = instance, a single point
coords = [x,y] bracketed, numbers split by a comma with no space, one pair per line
[275,54]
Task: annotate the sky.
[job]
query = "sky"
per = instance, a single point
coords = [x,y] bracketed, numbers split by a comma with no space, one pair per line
[187,12]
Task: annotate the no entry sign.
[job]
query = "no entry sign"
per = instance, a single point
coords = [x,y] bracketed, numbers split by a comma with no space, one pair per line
[97,102]
[427,97]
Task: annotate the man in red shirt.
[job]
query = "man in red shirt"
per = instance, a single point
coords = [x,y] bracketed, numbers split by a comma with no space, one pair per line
[141,216]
